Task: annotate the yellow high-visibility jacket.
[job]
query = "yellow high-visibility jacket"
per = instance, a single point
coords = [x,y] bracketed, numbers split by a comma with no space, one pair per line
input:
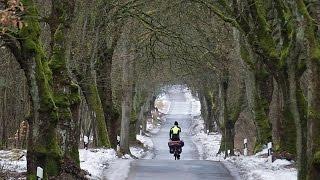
[174,132]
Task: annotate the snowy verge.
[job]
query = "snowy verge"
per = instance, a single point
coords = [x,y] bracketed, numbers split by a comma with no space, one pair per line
[207,144]
[99,163]
[254,167]
[13,160]
[195,103]
[162,103]
[154,128]
[95,161]
[120,167]
[258,168]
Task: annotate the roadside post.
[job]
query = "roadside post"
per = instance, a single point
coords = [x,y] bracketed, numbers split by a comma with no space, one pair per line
[39,173]
[245,147]
[270,152]
[140,132]
[118,143]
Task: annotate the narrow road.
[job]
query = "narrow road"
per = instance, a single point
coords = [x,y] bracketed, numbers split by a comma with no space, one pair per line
[163,166]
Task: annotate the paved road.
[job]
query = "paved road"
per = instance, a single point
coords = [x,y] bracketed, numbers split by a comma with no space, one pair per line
[163,166]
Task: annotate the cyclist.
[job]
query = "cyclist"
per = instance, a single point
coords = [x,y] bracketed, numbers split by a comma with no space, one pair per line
[175,132]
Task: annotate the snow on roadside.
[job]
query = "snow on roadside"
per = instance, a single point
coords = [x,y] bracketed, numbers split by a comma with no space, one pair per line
[104,164]
[258,168]
[14,160]
[207,144]
[95,161]
[162,103]
[120,167]
[195,103]
[154,128]
[146,141]
[100,163]
[253,167]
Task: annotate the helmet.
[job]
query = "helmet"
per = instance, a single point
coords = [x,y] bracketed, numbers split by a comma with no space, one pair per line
[176,123]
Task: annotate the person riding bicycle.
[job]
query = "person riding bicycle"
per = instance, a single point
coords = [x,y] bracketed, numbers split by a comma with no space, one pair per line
[174,136]
[175,132]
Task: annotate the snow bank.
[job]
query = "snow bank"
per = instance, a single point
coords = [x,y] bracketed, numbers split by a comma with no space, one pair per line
[120,167]
[146,141]
[162,103]
[14,160]
[104,163]
[247,167]
[207,144]
[195,103]
[95,161]
[255,167]
[153,128]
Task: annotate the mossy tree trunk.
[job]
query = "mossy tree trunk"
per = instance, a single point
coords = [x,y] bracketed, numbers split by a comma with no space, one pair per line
[263,96]
[43,147]
[313,41]
[66,92]
[104,68]
[313,145]
[105,93]
[228,125]
[91,94]
[231,115]
[105,90]
[51,105]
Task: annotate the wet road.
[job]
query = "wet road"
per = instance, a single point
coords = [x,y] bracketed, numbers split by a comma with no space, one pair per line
[163,166]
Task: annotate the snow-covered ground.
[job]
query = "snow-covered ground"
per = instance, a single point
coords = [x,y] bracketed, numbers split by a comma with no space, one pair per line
[104,164]
[100,163]
[13,160]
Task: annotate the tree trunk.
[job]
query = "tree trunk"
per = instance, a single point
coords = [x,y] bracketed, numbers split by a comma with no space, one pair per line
[313,152]
[294,113]
[104,69]
[311,15]
[208,97]
[262,98]
[126,103]
[105,93]
[275,115]
[94,103]
[43,148]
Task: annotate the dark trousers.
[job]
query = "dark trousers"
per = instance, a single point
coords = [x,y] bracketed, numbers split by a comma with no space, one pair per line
[175,137]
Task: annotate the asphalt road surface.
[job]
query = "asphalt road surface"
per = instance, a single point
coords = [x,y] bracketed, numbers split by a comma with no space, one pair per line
[163,166]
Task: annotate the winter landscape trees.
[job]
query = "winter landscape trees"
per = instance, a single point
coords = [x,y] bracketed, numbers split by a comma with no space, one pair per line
[71,69]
